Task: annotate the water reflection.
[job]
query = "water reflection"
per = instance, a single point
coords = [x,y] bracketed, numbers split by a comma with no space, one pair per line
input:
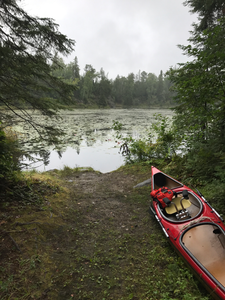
[90,140]
[102,158]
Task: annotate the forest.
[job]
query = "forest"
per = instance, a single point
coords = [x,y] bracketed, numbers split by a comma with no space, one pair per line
[94,89]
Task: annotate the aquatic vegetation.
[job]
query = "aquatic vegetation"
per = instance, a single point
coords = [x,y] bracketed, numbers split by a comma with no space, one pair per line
[88,139]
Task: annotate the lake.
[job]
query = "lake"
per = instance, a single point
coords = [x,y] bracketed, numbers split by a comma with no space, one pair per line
[90,140]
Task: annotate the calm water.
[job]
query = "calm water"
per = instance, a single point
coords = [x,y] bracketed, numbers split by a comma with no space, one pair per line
[90,140]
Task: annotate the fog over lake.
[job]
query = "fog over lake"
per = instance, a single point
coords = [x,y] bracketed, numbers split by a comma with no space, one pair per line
[90,140]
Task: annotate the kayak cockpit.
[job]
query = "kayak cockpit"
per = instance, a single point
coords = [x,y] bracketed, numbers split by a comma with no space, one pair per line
[205,243]
[181,209]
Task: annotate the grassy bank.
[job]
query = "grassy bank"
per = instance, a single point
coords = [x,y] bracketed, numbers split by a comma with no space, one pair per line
[89,235]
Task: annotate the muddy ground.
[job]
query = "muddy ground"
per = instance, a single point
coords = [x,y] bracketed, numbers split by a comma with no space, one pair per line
[92,238]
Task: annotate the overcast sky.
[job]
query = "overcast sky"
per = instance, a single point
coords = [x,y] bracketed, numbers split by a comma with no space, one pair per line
[120,36]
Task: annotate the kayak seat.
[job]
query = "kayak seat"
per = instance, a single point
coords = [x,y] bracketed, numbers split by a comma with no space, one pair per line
[171,209]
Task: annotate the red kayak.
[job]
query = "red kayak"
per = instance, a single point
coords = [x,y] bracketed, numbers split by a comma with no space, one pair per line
[194,228]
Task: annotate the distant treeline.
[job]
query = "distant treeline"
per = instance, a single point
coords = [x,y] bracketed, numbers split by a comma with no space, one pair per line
[95,89]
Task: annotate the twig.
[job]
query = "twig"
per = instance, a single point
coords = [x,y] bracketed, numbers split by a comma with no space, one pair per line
[18,248]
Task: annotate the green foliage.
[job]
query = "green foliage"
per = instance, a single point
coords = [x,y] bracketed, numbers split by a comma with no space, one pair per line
[161,143]
[102,89]
[117,126]
[200,97]
[28,46]
[208,12]
[142,89]
[88,83]
[167,139]
[9,156]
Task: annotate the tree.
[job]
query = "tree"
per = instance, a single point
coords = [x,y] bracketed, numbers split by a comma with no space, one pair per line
[118,89]
[27,50]
[103,89]
[140,88]
[88,83]
[160,88]
[129,90]
[151,88]
[58,67]
[76,77]
[76,68]
[200,95]
[209,12]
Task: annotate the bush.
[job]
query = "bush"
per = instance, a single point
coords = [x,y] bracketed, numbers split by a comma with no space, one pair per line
[161,144]
[9,155]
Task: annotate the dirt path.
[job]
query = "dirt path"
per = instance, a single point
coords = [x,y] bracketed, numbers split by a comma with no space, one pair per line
[93,239]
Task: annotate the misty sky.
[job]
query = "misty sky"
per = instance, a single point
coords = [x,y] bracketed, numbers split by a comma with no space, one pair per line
[120,36]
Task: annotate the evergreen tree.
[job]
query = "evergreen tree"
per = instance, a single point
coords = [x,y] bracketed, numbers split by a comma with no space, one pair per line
[104,88]
[76,68]
[118,89]
[140,88]
[76,77]
[129,90]
[168,95]
[58,67]
[209,11]
[160,89]
[200,95]
[88,83]
[27,49]
[152,88]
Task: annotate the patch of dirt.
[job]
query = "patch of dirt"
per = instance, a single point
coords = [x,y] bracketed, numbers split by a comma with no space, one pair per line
[92,239]
[105,194]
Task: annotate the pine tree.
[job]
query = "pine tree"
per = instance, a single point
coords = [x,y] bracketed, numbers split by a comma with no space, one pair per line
[27,50]
[200,92]
[209,11]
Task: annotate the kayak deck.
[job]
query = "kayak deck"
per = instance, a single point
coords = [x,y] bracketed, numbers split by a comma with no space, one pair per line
[206,242]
